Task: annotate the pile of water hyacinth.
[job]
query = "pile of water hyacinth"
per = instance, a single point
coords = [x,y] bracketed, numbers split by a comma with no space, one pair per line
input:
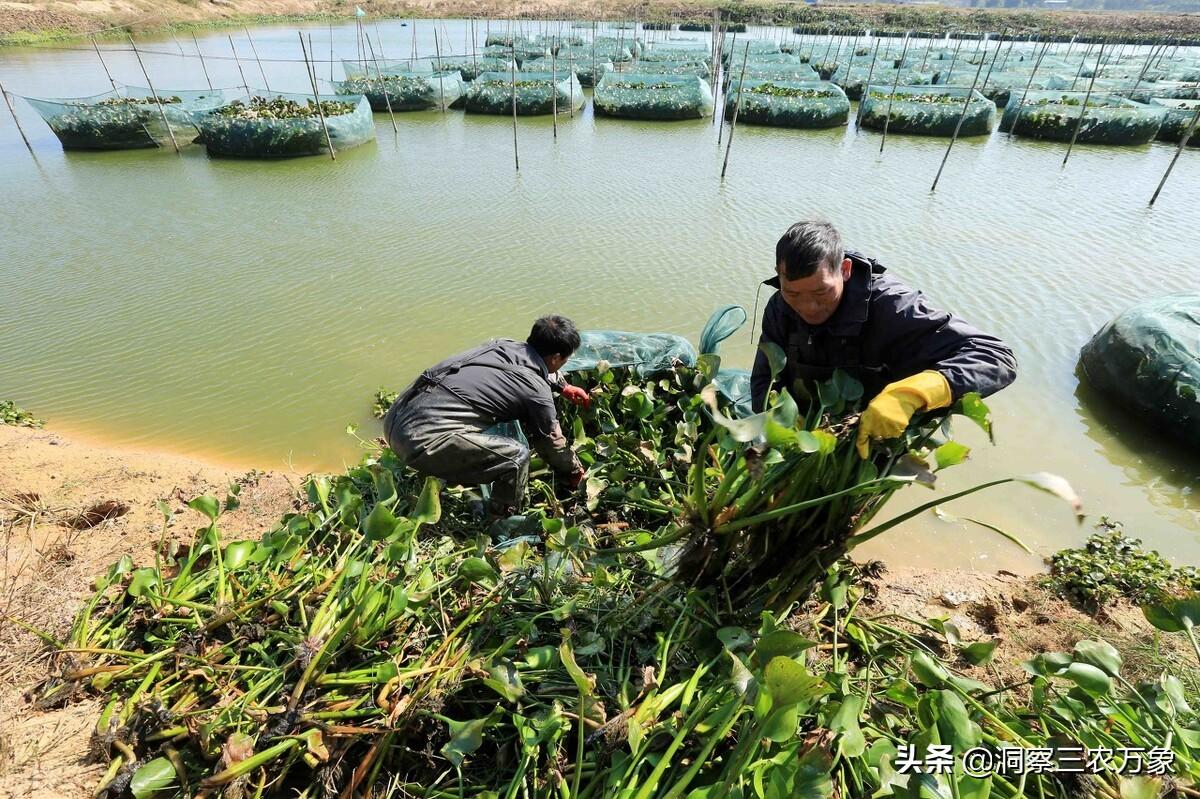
[683,625]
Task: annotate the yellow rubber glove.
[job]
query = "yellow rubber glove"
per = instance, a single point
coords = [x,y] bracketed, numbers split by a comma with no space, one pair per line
[888,415]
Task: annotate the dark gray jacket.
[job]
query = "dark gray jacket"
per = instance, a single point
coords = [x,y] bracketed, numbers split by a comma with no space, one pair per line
[504,381]
[882,331]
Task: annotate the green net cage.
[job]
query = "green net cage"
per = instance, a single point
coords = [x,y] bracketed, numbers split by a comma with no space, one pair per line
[588,72]
[521,53]
[406,92]
[1167,90]
[1178,119]
[355,68]
[536,93]
[788,104]
[126,119]
[284,125]
[471,67]
[699,69]
[1107,119]
[675,51]
[656,97]
[1000,85]
[733,51]
[853,77]
[927,110]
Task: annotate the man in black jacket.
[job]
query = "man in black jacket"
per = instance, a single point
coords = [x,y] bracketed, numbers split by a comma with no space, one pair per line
[838,310]
[437,424]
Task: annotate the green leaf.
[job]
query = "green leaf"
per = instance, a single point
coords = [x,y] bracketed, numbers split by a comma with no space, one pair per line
[1161,616]
[540,657]
[1141,787]
[902,692]
[812,777]
[971,405]
[1089,678]
[465,738]
[143,580]
[207,505]
[586,683]
[951,453]
[789,683]
[954,723]
[237,554]
[381,523]
[151,777]
[741,678]
[781,643]
[504,680]
[1173,688]
[478,570]
[852,743]
[928,671]
[429,505]
[734,638]
[1100,654]
[780,724]
[980,652]
[776,358]
[743,430]
[708,364]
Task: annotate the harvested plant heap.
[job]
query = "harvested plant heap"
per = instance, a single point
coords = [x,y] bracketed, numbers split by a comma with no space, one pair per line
[641,639]
[1107,119]
[406,92]
[656,97]
[536,93]
[129,119]
[792,105]
[929,111]
[285,125]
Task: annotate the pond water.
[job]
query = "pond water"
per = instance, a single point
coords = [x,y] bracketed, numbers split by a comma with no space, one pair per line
[245,311]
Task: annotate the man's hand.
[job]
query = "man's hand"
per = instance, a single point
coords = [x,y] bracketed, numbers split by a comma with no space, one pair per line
[889,413]
[577,396]
[576,478]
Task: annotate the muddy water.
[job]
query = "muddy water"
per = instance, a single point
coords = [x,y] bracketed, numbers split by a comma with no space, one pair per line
[245,311]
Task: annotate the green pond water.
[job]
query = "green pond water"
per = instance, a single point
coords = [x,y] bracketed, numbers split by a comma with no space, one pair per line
[245,311]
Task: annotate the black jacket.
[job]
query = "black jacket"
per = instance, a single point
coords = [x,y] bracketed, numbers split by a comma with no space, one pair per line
[882,331]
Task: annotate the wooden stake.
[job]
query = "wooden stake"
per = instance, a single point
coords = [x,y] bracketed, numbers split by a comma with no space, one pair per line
[1187,134]
[202,65]
[21,130]
[953,59]
[896,82]
[962,116]
[237,61]
[107,74]
[437,49]
[330,52]
[1083,108]
[1028,83]
[161,111]
[554,92]
[512,46]
[721,126]
[383,86]
[736,107]
[254,50]
[310,69]
[866,89]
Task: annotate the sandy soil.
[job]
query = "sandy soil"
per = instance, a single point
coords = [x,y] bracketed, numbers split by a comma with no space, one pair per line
[69,509]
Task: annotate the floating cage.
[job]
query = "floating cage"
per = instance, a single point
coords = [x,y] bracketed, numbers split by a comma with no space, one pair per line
[536,93]
[1166,90]
[282,125]
[789,104]
[1178,119]
[755,47]
[659,97]
[776,72]
[406,92]
[587,71]
[699,69]
[1000,85]
[853,78]
[927,110]
[1108,119]
[125,119]
[520,55]
[676,51]
[469,68]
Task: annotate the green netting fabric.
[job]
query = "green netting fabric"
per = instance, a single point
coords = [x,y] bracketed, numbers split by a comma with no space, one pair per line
[927,110]
[1169,90]
[671,51]
[1106,120]
[735,385]
[249,127]
[789,104]
[125,119]
[699,69]
[472,67]
[1148,360]
[738,48]
[522,52]
[492,93]
[1178,119]
[1070,83]
[665,97]
[406,92]
[1000,85]
[853,77]
[405,66]
[587,71]
[647,353]
[723,323]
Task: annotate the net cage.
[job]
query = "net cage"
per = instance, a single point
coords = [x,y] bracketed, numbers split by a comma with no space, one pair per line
[471,67]
[733,51]
[1178,119]
[699,69]
[777,72]
[1000,85]
[674,51]
[536,93]
[411,92]
[927,110]
[1107,118]
[853,77]
[521,53]
[588,72]
[355,68]
[788,104]
[1166,90]
[655,97]
[284,125]
[127,118]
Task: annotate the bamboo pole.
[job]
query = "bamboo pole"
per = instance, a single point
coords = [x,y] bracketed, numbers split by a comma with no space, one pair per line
[378,38]
[107,74]
[331,52]
[437,50]
[732,45]
[554,92]
[1142,74]
[895,82]
[1083,108]
[1187,134]
[736,107]
[1028,83]
[474,47]
[158,102]
[310,69]
[202,65]
[237,61]
[13,112]
[865,89]
[512,46]
[953,60]
[962,116]
[383,86]
[254,50]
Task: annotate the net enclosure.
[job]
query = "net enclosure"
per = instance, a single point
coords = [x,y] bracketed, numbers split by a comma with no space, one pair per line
[657,97]
[1107,119]
[1148,361]
[1179,118]
[771,71]
[699,69]
[406,92]
[128,118]
[788,104]
[284,125]
[853,77]
[587,71]
[536,93]
[927,110]
[1000,85]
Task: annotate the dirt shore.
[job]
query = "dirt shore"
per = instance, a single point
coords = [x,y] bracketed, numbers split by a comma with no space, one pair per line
[68,510]
[31,21]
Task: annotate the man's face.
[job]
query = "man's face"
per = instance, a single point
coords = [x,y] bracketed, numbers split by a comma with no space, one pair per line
[815,297]
[555,362]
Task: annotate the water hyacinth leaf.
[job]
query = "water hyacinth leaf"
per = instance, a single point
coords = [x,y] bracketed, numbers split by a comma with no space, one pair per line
[776,358]
[1088,677]
[913,469]
[478,570]
[740,677]
[1058,486]
[782,437]
[586,683]
[808,441]
[207,505]
[380,523]
[928,671]
[708,364]
[504,680]
[541,657]
[979,652]
[143,580]
[314,742]
[789,683]
[848,388]
[954,723]
[972,406]
[1047,663]
[385,485]
[1100,654]
[429,505]
[902,692]
[852,742]
[785,412]
[781,643]
[1174,615]
[465,738]
[238,553]
[1173,689]
[151,777]
[813,774]
[780,725]
[734,638]
[951,453]
[974,787]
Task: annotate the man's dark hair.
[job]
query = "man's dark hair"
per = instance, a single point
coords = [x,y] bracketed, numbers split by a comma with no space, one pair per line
[807,246]
[554,335]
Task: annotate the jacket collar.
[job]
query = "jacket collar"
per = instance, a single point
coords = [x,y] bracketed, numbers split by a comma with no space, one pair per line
[535,360]
[855,304]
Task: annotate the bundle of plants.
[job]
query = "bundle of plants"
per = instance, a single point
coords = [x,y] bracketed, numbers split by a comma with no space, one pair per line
[932,111]
[788,104]
[1107,118]
[406,92]
[286,125]
[536,93]
[656,97]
